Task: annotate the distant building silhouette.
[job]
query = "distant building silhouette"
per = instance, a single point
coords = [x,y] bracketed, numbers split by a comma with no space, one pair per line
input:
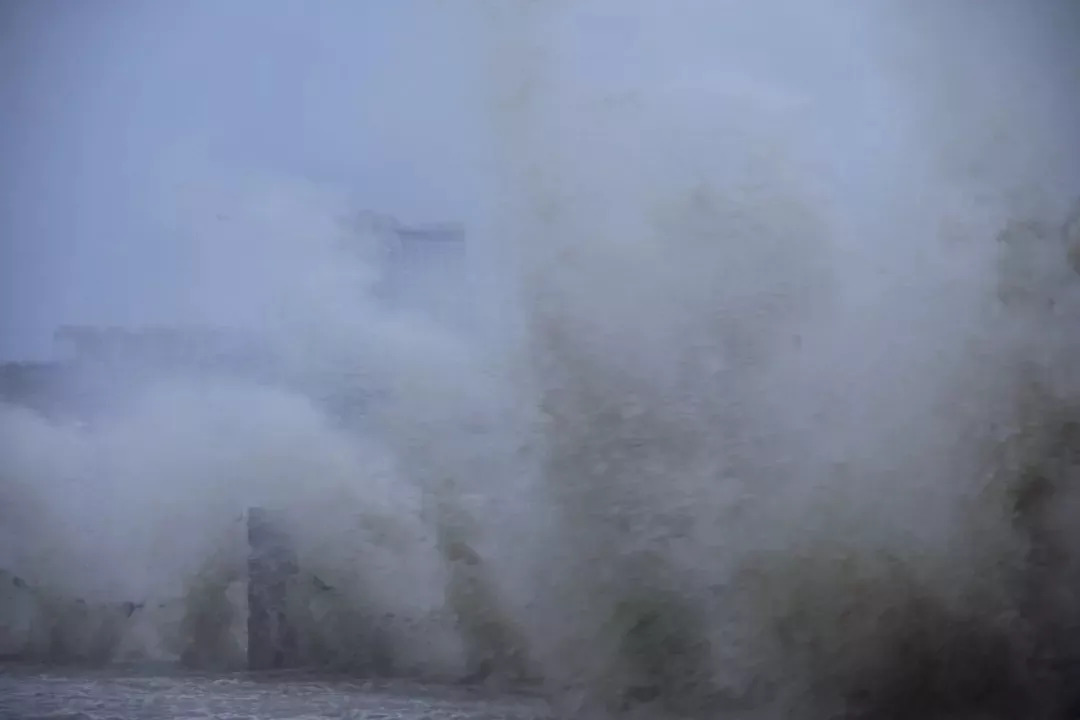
[96,363]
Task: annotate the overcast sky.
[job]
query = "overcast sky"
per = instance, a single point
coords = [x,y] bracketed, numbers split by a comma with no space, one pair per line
[107,107]
[104,103]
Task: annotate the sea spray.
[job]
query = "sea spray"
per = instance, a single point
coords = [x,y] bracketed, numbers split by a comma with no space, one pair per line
[768,408]
[771,399]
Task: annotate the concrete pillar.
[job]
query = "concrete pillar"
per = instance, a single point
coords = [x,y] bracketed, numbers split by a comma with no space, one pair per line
[272,641]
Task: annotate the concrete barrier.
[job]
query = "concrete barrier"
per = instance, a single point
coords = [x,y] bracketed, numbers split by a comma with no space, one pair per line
[40,626]
[272,639]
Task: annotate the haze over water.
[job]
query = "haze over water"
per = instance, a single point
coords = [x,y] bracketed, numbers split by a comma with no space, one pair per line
[766,320]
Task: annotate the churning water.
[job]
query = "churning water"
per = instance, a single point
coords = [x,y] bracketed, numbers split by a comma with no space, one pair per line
[756,395]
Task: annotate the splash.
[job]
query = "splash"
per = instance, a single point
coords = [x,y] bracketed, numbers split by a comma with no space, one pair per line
[776,415]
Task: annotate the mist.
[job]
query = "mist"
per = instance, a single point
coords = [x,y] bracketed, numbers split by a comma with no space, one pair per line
[750,395]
